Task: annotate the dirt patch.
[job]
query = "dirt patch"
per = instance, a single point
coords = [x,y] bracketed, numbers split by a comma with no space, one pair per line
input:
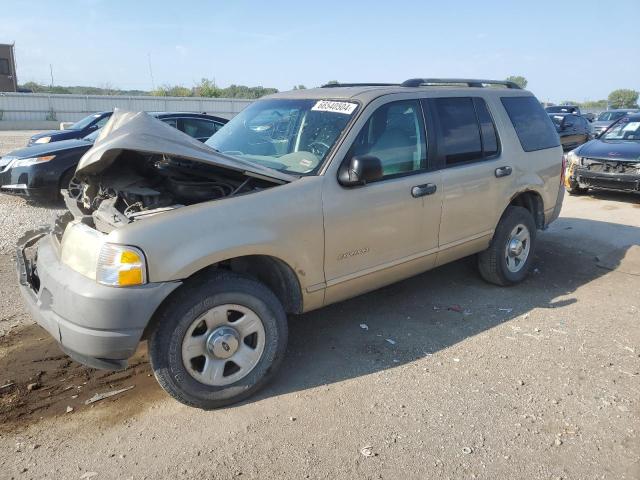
[40,381]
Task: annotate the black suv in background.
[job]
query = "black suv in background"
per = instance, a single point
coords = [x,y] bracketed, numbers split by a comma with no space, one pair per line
[40,171]
[80,129]
[574,130]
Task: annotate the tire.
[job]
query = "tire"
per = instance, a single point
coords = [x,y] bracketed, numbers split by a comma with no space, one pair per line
[182,319]
[64,182]
[495,263]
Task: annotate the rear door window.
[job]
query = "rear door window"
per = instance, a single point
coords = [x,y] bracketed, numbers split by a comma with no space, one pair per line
[487,129]
[459,130]
[533,126]
[466,131]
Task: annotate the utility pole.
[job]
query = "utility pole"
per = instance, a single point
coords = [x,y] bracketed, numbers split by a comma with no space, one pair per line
[51,71]
[153,84]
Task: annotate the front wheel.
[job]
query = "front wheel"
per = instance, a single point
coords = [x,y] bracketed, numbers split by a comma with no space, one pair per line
[508,259]
[218,341]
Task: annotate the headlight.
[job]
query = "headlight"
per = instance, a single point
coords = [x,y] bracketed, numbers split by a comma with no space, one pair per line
[572,157]
[121,266]
[43,140]
[25,162]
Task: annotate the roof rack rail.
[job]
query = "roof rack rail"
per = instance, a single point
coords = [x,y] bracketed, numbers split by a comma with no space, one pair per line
[419,82]
[367,84]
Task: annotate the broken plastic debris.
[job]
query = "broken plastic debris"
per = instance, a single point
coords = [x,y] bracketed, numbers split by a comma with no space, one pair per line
[467,450]
[455,308]
[508,310]
[392,342]
[364,326]
[367,451]
[101,396]
[69,409]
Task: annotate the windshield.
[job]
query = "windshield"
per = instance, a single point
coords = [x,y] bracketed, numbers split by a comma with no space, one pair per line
[92,136]
[624,130]
[610,116]
[85,122]
[292,136]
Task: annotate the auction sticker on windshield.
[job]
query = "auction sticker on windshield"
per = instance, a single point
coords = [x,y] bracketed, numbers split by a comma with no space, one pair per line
[337,107]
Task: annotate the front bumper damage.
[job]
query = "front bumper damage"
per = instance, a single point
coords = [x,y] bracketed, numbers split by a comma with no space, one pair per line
[605,175]
[96,325]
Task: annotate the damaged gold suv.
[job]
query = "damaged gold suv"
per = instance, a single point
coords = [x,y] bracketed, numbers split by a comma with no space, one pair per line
[304,199]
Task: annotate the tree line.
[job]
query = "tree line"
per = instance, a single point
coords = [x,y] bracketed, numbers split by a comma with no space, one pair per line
[205,88]
[620,98]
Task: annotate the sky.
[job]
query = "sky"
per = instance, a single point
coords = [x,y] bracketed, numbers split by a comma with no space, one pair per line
[563,47]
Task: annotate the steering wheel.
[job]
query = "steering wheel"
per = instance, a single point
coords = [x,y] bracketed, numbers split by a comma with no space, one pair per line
[319,149]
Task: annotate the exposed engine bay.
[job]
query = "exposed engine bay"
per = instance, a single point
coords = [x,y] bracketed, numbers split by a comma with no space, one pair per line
[136,186]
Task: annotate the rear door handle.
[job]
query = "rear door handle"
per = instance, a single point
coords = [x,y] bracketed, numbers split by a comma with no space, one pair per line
[422,190]
[503,171]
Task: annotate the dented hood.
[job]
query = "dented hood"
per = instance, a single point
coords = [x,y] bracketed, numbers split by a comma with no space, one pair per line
[140,132]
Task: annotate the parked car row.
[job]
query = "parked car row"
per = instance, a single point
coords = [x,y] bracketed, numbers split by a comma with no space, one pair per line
[48,164]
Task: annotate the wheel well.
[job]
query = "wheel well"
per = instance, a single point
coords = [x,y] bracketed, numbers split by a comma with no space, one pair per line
[271,271]
[532,201]
[274,273]
[64,176]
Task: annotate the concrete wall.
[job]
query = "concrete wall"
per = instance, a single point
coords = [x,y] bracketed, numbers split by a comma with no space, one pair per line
[37,111]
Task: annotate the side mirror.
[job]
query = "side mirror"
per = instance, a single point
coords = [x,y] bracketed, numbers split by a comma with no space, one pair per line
[359,170]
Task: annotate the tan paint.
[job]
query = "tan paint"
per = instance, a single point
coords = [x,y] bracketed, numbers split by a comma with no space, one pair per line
[340,241]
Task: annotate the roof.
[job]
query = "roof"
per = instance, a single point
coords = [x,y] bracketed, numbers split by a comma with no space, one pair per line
[367,93]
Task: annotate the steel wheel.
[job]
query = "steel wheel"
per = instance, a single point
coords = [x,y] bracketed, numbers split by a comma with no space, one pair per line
[517,248]
[223,345]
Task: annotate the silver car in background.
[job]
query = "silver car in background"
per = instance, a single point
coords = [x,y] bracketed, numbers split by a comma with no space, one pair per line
[606,119]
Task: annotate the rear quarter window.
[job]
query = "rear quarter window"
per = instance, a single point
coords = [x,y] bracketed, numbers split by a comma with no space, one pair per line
[533,126]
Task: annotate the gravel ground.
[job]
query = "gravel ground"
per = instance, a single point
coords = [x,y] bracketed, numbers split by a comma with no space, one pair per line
[538,381]
[16,214]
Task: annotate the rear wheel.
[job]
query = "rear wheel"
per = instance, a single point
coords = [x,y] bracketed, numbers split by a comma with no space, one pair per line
[508,259]
[218,341]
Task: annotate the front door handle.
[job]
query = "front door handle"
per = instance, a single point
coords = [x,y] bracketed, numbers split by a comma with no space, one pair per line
[503,171]
[422,190]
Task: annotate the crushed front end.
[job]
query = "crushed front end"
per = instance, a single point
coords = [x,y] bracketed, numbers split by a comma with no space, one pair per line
[608,174]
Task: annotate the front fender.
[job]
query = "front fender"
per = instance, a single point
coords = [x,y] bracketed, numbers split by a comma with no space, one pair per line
[283,221]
